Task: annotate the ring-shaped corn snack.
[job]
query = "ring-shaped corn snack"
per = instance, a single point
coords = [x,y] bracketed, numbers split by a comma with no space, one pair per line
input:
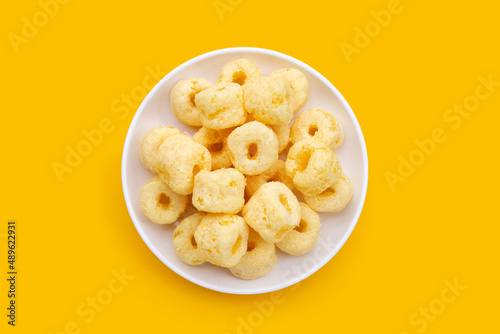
[239,71]
[178,160]
[150,143]
[223,238]
[220,191]
[253,148]
[320,125]
[184,241]
[221,106]
[269,100]
[334,198]
[216,143]
[258,260]
[312,166]
[299,84]
[304,237]
[160,204]
[182,99]
[272,211]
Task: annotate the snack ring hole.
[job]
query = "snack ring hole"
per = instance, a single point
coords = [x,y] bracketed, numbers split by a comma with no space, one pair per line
[196,170]
[193,242]
[164,201]
[302,227]
[191,99]
[239,78]
[251,246]
[284,201]
[303,161]
[216,147]
[312,130]
[236,245]
[253,149]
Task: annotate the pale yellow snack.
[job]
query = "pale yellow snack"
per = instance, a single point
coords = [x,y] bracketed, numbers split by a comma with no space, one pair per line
[282,132]
[253,148]
[276,172]
[299,84]
[272,211]
[334,198]
[182,99]
[160,204]
[304,237]
[216,143]
[222,238]
[150,143]
[258,260]
[239,71]
[269,100]
[185,243]
[221,106]
[312,166]
[320,125]
[178,160]
[220,191]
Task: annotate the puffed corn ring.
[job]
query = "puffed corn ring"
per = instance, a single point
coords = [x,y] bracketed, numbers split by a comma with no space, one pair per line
[277,173]
[272,211]
[258,260]
[304,237]
[334,198]
[253,148]
[150,143]
[239,71]
[178,160]
[216,143]
[282,131]
[299,84]
[160,204]
[221,106]
[184,242]
[312,166]
[182,99]
[220,191]
[269,100]
[223,238]
[320,125]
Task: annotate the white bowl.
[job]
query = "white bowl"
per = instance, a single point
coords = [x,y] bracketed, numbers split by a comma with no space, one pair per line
[335,227]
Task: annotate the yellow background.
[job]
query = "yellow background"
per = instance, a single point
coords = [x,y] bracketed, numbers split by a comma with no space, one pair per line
[441,223]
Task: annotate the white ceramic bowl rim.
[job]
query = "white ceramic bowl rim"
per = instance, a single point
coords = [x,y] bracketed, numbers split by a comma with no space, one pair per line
[266,52]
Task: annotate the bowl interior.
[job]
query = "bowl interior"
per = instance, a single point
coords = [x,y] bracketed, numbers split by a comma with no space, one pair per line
[335,227]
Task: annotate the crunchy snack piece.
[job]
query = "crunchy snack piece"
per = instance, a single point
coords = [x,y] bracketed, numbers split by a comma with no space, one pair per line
[334,198]
[185,243]
[272,211]
[160,204]
[239,71]
[216,143]
[282,132]
[258,260]
[182,99]
[299,84]
[277,172]
[221,106]
[223,238]
[304,237]
[320,125]
[220,191]
[150,143]
[178,160]
[269,100]
[312,166]
[253,148]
